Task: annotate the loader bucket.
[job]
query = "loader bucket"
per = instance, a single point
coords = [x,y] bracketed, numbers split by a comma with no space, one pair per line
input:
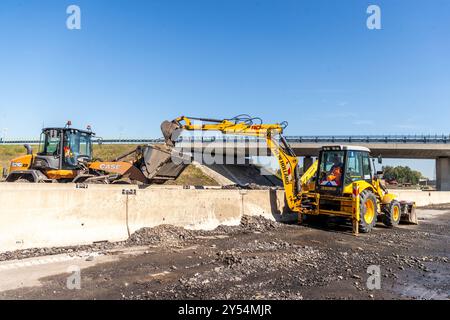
[154,158]
[408,215]
[160,163]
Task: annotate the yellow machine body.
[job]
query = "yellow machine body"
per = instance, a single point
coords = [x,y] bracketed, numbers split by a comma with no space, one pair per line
[361,200]
[21,163]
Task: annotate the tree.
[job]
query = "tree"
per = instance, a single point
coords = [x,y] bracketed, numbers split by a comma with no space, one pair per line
[401,174]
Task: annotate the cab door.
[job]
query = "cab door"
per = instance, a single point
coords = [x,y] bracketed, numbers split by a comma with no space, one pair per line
[354,167]
[49,155]
[330,172]
[367,167]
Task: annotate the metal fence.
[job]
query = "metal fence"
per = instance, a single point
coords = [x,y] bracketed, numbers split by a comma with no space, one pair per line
[419,139]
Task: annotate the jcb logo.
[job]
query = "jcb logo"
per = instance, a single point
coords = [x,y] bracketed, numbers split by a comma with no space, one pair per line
[286,170]
[109,167]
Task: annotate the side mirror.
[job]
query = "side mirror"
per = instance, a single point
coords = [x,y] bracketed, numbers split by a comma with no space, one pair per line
[380,160]
[380,174]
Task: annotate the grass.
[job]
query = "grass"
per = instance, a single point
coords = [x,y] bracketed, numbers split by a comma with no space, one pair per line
[193,176]
[190,176]
[103,152]
[9,152]
[106,152]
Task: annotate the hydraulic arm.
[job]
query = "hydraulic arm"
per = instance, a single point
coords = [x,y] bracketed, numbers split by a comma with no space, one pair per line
[248,126]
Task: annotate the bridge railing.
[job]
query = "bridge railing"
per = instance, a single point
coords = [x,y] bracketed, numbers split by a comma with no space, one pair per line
[329,139]
[432,139]
[425,139]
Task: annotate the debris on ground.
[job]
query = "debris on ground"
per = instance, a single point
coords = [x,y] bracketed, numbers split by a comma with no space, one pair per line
[162,235]
[166,235]
[263,259]
[443,206]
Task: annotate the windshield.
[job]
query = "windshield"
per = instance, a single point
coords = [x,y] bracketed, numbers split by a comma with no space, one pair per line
[331,168]
[76,144]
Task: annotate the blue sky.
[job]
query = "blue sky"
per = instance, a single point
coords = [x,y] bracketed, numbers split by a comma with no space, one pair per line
[312,63]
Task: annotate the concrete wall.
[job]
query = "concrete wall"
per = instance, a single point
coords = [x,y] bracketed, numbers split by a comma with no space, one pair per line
[47,215]
[42,215]
[194,209]
[423,198]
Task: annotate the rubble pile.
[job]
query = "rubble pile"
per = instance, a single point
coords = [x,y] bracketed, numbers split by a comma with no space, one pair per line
[166,235]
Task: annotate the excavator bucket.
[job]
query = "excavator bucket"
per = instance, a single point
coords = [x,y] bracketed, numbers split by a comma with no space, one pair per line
[408,212]
[170,131]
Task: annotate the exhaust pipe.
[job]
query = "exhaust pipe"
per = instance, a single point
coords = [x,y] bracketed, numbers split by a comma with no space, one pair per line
[29,148]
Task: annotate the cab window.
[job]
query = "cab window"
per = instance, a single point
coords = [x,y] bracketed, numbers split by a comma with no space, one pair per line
[76,144]
[354,171]
[50,143]
[367,171]
[331,168]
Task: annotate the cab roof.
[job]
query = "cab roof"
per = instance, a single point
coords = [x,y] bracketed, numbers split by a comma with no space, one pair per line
[68,129]
[345,147]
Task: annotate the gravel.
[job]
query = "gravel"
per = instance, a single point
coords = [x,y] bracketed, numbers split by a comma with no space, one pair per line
[263,259]
[163,235]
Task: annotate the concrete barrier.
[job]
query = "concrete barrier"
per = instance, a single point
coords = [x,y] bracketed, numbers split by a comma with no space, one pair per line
[203,209]
[193,209]
[59,215]
[46,215]
[423,198]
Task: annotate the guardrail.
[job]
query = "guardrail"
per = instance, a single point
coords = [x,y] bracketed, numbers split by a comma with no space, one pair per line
[432,139]
[425,139]
[105,141]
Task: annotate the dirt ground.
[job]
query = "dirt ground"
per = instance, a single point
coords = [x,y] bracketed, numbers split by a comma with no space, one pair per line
[259,259]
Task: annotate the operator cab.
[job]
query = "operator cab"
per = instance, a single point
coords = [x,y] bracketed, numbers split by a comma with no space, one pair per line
[64,148]
[340,166]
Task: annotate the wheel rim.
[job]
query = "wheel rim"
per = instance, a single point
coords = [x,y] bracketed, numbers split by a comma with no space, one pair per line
[370,212]
[395,213]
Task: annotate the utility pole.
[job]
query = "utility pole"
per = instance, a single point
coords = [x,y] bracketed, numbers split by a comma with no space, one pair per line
[4,133]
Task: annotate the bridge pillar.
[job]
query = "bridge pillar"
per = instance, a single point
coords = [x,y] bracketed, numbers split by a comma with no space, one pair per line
[307,162]
[443,174]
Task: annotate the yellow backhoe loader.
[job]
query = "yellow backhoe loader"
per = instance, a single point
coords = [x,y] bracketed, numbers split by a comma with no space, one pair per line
[342,182]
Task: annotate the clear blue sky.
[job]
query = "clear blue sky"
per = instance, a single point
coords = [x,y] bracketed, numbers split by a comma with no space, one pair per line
[313,63]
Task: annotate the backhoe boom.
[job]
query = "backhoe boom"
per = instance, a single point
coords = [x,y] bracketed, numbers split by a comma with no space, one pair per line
[245,125]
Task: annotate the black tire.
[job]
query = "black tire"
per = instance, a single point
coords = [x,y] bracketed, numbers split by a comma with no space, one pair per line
[392,214]
[368,211]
